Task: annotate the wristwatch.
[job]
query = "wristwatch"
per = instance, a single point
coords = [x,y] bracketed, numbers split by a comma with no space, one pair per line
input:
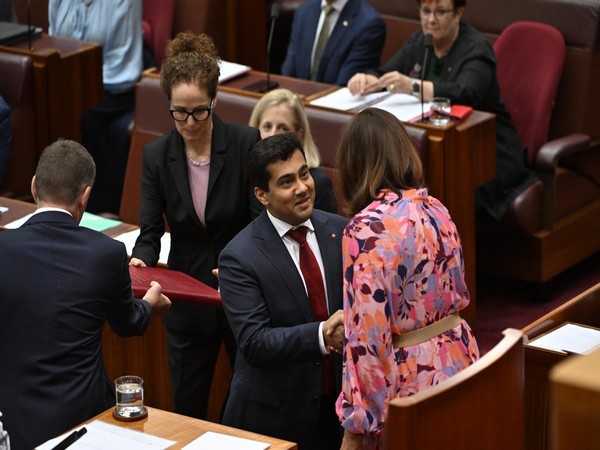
[416,87]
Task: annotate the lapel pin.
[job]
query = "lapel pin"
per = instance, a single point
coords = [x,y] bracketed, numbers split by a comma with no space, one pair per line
[333,236]
[345,23]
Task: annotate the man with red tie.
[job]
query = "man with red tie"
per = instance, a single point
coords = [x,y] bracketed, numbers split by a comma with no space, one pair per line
[281,285]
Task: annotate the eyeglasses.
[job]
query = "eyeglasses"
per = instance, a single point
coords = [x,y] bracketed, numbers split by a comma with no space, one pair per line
[438,13]
[199,114]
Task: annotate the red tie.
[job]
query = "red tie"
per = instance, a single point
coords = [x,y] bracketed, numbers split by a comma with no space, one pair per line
[316,296]
[312,275]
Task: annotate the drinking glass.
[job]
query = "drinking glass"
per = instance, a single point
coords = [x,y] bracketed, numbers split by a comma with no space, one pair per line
[440,111]
[130,398]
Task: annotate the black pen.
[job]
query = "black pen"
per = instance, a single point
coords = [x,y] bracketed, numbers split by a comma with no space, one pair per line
[70,439]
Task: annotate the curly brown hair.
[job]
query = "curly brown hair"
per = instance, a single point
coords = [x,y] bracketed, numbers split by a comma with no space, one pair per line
[191,58]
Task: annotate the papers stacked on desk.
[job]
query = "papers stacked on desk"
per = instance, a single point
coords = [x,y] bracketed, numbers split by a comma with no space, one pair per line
[405,107]
[569,338]
[210,440]
[102,435]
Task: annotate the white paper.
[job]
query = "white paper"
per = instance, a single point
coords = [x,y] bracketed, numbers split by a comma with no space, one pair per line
[405,107]
[3,209]
[129,238]
[569,338]
[231,70]
[343,100]
[210,440]
[101,435]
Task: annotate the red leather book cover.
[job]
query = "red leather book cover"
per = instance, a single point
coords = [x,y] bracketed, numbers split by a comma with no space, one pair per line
[178,286]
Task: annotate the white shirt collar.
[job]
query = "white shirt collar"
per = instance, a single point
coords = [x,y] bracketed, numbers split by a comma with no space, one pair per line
[283,227]
[338,5]
[50,208]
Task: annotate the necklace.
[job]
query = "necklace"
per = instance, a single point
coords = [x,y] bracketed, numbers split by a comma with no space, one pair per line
[197,162]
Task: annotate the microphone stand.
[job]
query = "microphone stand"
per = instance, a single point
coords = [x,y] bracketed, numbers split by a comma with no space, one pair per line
[267,85]
[29,24]
[428,47]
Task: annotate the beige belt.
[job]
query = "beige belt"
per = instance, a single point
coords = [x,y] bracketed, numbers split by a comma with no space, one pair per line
[426,333]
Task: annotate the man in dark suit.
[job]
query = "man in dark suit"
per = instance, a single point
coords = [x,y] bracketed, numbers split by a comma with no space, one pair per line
[287,374]
[59,284]
[356,37]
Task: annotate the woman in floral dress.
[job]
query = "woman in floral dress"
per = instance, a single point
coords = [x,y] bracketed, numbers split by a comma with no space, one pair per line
[403,271]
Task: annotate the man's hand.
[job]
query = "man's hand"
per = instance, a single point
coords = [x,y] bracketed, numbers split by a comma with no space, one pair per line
[156,298]
[333,331]
[137,262]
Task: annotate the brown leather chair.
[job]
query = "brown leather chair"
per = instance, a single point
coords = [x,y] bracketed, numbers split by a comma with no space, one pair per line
[554,223]
[480,407]
[17,88]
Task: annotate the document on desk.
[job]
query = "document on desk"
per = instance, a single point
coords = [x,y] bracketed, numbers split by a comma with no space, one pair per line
[405,107]
[104,436]
[211,440]
[130,237]
[343,100]
[231,70]
[569,338]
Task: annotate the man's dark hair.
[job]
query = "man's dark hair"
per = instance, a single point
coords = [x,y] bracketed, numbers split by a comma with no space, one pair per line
[63,172]
[279,147]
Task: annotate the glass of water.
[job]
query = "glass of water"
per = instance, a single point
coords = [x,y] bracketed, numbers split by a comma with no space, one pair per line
[130,398]
[440,111]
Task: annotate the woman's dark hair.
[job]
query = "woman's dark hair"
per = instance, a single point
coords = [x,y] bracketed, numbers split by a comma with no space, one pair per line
[190,58]
[375,153]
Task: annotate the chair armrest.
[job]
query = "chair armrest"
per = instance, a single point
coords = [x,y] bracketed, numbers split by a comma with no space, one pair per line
[553,151]
[547,161]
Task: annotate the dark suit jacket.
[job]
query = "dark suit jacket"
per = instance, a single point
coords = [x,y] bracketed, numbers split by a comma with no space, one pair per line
[230,206]
[354,45]
[59,284]
[276,384]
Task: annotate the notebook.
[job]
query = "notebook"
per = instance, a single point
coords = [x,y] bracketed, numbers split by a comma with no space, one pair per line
[14,33]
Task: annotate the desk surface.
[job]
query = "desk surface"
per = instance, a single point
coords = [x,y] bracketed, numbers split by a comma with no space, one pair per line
[185,429]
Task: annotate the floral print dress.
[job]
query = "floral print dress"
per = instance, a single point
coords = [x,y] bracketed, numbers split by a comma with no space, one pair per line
[403,270]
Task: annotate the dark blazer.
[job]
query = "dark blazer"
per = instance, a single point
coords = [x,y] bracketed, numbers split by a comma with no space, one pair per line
[355,44]
[230,206]
[276,384]
[468,77]
[324,193]
[60,284]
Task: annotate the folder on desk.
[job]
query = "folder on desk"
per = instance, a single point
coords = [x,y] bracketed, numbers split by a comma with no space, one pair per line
[178,286]
[14,33]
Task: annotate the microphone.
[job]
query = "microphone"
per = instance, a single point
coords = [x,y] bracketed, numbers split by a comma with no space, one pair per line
[29,24]
[427,57]
[267,85]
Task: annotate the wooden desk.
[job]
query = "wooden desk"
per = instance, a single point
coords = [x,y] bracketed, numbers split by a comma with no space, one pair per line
[67,79]
[583,309]
[184,430]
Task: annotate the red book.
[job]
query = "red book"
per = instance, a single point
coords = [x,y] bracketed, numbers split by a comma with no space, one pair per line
[178,286]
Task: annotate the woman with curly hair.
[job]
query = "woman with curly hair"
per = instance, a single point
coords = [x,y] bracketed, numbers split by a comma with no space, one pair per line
[195,178]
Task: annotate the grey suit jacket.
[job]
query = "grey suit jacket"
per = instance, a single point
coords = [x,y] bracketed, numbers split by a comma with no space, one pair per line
[276,386]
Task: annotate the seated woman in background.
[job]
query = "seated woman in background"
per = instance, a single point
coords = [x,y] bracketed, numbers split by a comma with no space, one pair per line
[462,68]
[404,280]
[281,111]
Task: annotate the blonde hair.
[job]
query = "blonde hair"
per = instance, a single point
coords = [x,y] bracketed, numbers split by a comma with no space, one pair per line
[279,96]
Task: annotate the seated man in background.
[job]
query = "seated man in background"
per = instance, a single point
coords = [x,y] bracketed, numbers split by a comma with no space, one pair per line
[60,284]
[117,26]
[333,39]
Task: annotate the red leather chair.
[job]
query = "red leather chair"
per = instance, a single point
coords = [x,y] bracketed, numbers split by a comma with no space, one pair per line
[157,23]
[554,223]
